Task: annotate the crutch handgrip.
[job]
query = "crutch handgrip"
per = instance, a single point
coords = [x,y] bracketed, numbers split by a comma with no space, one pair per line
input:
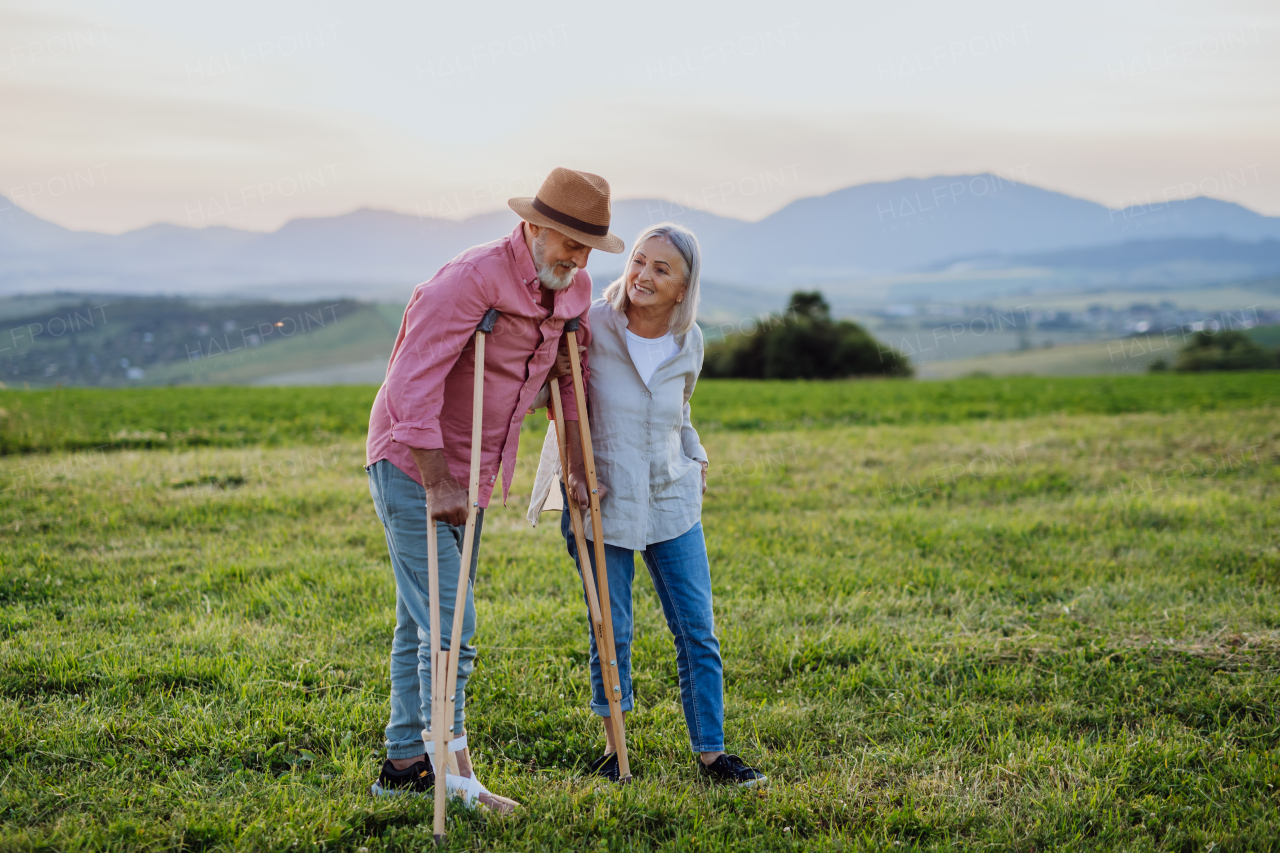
[487,323]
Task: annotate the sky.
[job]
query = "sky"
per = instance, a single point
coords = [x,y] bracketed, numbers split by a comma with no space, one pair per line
[117,115]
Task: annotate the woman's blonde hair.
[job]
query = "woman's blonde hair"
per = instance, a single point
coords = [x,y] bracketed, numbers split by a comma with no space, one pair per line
[686,311]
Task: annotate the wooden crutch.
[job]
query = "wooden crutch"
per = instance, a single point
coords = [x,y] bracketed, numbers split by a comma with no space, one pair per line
[444,689]
[598,595]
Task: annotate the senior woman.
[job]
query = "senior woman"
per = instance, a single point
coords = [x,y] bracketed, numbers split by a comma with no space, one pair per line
[645,356]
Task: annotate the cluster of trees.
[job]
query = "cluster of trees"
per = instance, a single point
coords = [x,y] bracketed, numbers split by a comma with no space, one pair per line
[803,343]
[1223,350]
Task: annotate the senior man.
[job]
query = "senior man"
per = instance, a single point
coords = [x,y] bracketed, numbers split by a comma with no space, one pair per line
[419,446]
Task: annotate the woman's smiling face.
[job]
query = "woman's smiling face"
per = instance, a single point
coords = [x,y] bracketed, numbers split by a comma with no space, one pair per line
[656,279]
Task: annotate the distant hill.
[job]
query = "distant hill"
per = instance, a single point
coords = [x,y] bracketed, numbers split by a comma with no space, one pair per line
[1140,262]
[914,224]
[877,229]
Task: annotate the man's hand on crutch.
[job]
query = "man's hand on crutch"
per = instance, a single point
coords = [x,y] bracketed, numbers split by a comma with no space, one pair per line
[447,499]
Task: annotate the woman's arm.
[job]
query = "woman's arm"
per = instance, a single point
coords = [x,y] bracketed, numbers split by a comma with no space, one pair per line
[688,435]
[689,439]
[692,446]
[577,477]
[577,474]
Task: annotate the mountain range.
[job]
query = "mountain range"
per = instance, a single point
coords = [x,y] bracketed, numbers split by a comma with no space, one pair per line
[931,230]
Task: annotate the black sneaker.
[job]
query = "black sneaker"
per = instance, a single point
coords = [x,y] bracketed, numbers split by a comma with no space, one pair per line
[606,767]
[732,770]
[415,779]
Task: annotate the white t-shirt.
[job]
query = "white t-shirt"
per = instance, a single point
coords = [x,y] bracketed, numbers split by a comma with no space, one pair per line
[648,353]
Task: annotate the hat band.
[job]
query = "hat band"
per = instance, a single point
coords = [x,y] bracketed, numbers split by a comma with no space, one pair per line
[571,221]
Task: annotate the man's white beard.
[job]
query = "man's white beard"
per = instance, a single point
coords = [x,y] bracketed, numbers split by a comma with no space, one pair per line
[551,281]
[550,275]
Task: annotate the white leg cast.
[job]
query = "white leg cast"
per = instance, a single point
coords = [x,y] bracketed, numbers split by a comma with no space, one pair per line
[469,788]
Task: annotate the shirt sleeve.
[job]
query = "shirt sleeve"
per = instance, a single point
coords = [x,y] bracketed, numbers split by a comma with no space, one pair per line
[438,324]
[689,439]
[688,435]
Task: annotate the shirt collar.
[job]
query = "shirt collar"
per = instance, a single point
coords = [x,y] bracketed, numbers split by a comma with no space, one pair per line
[524,261]
[622,321]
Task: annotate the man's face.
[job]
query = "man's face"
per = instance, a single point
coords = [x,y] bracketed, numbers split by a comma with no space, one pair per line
[557,256]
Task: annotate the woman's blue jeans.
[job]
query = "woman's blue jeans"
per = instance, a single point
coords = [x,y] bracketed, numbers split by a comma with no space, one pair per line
[681,575]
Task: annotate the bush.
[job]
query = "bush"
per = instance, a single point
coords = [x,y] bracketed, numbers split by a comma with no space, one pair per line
[1225,350]
[804,343]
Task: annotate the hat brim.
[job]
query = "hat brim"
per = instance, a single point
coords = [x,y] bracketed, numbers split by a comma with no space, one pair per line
[611,243]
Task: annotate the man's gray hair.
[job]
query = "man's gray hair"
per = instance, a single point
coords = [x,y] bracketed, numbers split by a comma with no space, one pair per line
[686,312]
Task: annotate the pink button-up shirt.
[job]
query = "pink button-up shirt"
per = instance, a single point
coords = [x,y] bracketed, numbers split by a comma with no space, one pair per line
[425,401]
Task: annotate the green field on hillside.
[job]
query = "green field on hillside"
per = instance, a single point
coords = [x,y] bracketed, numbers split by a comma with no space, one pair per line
[137,341]
[989,614]
[1126,356]
[1108,357]
[366,333]
[125,341]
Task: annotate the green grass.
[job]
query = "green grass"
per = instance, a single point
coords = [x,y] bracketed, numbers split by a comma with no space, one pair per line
[743,404]
[93,418]
[87,418]
[1031,631]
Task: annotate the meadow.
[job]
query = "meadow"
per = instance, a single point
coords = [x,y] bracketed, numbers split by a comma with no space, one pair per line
[1011,614]
[95,419]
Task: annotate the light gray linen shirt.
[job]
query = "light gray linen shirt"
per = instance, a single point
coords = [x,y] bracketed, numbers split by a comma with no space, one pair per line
[647,451]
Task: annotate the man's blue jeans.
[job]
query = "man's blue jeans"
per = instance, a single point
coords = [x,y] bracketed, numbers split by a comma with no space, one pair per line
[401,505]
[681,575]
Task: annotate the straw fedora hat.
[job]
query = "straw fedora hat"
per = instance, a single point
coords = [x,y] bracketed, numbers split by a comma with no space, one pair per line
[573,203]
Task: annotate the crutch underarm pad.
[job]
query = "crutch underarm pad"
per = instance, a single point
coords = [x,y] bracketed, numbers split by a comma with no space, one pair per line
[490,318]
[571,325]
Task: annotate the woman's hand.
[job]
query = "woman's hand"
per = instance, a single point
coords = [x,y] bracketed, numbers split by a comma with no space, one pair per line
[576,479]
[562,365]
[704,465]
[578,491]
[540,401]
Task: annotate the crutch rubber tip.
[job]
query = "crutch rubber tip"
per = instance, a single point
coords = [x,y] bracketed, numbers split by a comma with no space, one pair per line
[439,839]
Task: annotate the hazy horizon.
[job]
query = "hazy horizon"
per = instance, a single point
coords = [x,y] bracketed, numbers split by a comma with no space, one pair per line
[671,208]
[114,116]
